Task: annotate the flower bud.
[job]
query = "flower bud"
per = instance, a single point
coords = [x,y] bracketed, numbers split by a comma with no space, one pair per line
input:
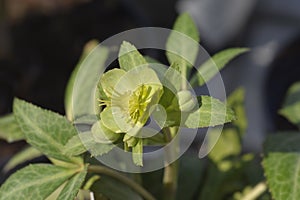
[186,100]
[130,140]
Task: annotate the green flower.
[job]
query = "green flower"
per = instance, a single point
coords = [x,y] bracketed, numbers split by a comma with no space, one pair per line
[128,98]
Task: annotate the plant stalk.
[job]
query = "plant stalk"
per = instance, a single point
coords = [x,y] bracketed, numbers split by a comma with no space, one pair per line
[112,173]
[257,191]
[170,178]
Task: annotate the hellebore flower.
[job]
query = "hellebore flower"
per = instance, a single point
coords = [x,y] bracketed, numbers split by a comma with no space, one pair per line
[128,98]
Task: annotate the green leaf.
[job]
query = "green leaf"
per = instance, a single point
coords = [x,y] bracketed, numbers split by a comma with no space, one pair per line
[212,66]
[76,162]
[229,143]
[74,146]
[48,132]
[24,155]
[82,99]
[113,189]
[236,101]
[96,149]
[85,142]
[281,164]
[220,184]
[182,45]
[34,182]
[212,112]
[129,57]
[10,130]
[56,193]
[69,89]
[172,84]
[156,140]
[191,174]
[172,77]
[73,185]
[291,106]
[137,153]
[102,134]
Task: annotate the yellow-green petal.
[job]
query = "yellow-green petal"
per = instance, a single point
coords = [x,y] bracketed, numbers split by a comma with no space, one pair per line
[104,135]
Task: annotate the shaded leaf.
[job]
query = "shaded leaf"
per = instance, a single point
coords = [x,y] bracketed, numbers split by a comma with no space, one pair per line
[236,101]
[229,143]
[24,155]
[191,171]
[291,106]
[219,184]
[113,189]
[82,98]
[70,86]
[10,130]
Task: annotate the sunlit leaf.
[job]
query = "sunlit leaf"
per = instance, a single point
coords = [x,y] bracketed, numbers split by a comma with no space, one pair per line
[129,57]
[34,182]
[282,165]
[46,131]
[137,153]
[182,45]
[214,65]
[85,142]
[212,112]
[73,185]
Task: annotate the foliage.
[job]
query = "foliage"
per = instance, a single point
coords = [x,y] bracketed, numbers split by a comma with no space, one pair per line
[127,96]
[282,152]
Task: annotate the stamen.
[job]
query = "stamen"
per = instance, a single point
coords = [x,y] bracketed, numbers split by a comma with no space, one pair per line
[104,102]
[138,102]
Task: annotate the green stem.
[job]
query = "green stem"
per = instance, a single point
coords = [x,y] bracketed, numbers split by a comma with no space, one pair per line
[170,178]
[112,173]
[258,190]
[184,77]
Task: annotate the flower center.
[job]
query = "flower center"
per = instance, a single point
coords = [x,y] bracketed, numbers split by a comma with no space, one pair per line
[138,103]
